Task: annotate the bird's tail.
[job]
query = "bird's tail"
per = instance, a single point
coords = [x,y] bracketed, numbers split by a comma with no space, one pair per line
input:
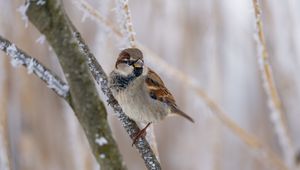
[175,110]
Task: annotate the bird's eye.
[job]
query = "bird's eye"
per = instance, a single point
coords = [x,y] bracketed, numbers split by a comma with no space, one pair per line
[126,61]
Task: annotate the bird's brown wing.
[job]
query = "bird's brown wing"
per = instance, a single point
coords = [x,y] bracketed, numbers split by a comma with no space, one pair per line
[157,89]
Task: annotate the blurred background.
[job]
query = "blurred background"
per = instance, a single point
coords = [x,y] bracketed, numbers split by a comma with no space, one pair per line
[212,41]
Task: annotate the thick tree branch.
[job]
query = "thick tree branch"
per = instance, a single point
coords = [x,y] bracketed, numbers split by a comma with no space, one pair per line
[51,20]
[18,57]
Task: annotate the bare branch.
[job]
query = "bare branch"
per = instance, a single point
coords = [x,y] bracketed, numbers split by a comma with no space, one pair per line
[18,57]
[89,11]
[277,115]
[125,20]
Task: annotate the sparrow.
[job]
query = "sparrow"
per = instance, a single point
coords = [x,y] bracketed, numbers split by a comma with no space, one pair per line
[140,91]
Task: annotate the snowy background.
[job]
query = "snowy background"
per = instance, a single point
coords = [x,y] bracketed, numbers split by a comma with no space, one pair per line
[211,42]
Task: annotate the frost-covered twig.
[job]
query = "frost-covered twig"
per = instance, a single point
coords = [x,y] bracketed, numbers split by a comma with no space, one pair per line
[124,16]
[22,10]
[130,126]
[277,114]
[90,12]
[253,143]
[18,57]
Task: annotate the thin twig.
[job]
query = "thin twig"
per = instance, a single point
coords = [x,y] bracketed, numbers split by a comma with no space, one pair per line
[126,25]
[253,143]
[95,15]
[277,115]
[18,57]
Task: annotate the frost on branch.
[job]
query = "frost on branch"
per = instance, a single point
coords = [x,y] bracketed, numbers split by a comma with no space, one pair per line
[41,2]
[100,140]
[93,14]
[18,57]
[125,22]
[15,61]
[22,10]
[277,114]
[80,5]
[41,39]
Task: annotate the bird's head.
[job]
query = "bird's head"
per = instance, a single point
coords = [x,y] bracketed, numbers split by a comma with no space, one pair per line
[130,61]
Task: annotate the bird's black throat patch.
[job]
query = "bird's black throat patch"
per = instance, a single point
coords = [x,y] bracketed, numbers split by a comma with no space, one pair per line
[137,71]
[121,82]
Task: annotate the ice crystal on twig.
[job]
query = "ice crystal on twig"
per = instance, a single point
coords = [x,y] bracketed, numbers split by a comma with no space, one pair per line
[41,39]
[22,10]
[100,141]
[102,156]
[125,21]
[41,2]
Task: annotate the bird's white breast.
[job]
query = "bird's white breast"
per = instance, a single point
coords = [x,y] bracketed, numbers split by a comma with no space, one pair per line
[137,103]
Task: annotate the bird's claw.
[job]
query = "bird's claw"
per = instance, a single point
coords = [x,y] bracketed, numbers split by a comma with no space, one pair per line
[141,134]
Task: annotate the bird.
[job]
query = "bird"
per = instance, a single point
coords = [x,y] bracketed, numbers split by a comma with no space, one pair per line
[140,92]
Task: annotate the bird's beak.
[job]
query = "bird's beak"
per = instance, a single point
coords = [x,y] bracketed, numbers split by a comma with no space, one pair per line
[138,64]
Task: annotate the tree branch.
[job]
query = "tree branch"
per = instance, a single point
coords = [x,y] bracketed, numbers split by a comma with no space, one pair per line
[18,57]
[51,20]
[124,16]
